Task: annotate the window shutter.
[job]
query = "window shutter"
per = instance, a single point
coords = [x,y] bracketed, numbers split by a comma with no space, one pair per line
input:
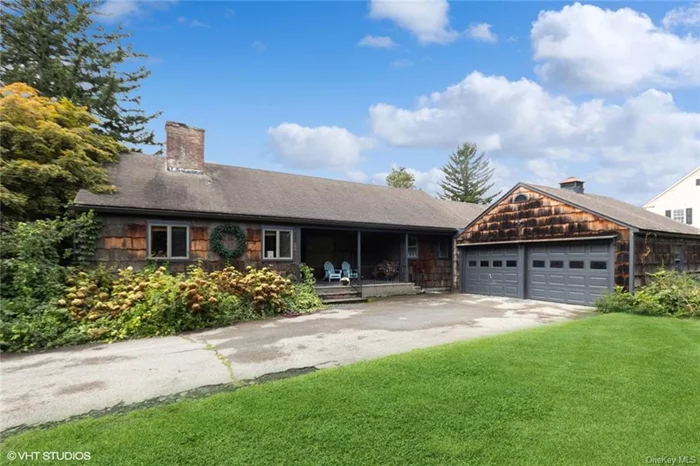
[668,213]
[689,215]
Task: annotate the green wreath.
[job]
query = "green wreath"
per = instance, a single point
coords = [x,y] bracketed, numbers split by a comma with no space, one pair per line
[217,235]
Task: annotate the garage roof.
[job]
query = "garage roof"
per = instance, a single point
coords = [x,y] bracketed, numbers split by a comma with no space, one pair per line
[616,210]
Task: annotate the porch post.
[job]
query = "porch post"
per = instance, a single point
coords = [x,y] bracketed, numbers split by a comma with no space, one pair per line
[405,257]
[359,253]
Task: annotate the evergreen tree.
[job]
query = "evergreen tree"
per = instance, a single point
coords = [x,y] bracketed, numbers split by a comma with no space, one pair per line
[400,178]
[468,176]
[59,49]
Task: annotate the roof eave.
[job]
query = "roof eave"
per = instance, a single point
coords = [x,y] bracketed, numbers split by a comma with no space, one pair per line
[265,218]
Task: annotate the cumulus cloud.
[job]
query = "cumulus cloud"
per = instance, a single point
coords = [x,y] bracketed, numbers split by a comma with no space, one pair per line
[193,23]
[380,42]
[119,10]
[682,16]
[521,119]
[428,20]
[329,147]
[482,32]
[587,48]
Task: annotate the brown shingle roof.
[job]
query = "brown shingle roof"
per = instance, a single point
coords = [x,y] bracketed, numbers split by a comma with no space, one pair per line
[143,182]
[636,217]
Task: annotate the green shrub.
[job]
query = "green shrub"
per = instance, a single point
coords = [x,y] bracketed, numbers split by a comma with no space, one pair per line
[304,297]
[668,293]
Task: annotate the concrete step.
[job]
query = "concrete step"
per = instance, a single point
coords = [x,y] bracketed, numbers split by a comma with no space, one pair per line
[346,300]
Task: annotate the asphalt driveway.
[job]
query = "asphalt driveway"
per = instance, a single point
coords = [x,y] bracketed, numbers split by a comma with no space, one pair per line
[55,385]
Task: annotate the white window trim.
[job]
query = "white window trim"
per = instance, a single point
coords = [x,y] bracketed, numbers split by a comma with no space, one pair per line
[409,248]
[678,215]
[169,226]
[277,243]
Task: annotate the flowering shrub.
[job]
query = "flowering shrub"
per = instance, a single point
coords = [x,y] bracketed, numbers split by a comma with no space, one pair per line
[99,306]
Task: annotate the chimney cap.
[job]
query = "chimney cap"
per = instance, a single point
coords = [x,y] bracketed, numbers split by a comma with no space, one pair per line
[177,124]
[571,179]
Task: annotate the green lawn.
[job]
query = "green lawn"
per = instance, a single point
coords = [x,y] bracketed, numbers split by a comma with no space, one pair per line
[606,390]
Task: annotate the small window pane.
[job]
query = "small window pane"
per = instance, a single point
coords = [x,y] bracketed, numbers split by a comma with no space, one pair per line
[179,239]
[286,244]
[498,263]
[159,241]
[538,264]
[484,263]
[511,263]
[599,265]
[443,249]
[575,264]
[679,215]
[556,264]
[472,263]
[270,246]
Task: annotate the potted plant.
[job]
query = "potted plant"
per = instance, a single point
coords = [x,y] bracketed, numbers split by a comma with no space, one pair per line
[345,281]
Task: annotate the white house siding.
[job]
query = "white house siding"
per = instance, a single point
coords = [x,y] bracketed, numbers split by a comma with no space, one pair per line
[682,196]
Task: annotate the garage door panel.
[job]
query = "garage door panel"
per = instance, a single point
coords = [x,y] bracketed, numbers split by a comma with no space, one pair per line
[571,273]
[491,272]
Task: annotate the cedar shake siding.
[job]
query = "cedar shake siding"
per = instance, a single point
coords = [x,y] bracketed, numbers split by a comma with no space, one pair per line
[429,270]
[124,243]
[654,251]
[542,217]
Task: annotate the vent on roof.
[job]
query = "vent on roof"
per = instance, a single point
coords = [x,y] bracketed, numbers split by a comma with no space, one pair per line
[572,184]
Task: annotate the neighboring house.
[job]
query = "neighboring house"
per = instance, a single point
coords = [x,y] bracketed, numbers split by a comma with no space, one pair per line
[165,210]
[567,246]
[681,201]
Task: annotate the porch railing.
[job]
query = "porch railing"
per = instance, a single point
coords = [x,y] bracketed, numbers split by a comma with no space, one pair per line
[382,273]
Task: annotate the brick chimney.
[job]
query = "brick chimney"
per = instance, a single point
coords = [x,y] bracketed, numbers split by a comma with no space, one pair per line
[572,184]
[184,148]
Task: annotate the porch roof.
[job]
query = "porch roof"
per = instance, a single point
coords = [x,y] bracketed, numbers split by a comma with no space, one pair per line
[144,184]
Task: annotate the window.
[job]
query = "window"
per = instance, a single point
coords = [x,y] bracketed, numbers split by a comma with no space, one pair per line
[412,247]
[556,264]
[575,264]
[498,263]
[520,198]
[484,263]
[538,264]
[599,265]
[168,241]
[511,263]
[679,214]
[277,244]
[472,263]
[444,249]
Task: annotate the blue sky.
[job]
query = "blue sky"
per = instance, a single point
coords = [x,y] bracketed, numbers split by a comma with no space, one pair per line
[608,92]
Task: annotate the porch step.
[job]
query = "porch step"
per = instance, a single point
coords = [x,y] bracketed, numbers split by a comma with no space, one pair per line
[345,300]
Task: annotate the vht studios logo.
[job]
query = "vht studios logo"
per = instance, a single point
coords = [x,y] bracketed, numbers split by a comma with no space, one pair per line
[672,460]
[49,455]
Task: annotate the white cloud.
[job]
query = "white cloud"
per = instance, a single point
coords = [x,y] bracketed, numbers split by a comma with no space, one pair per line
[118,10]
[428,20]
[193,23]
[356,175]
[258,46]
[482,32]
[329,147]
[584,47]
[380,42]
[682,16]
[546,172]
[520,119]
[401,63]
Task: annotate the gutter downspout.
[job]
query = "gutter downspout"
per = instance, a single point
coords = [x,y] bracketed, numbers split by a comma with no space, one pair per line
[631,262]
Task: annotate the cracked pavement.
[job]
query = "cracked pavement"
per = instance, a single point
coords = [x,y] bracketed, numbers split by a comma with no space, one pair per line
[54,385]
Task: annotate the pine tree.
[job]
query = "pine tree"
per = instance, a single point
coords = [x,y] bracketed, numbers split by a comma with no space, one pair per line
[400,178]
[468,176]
[59,49]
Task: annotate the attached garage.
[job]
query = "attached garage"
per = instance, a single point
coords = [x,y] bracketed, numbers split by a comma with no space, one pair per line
[565,246]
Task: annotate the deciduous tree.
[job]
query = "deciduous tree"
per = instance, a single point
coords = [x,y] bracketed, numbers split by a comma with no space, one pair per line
[49,150]
[401,178]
